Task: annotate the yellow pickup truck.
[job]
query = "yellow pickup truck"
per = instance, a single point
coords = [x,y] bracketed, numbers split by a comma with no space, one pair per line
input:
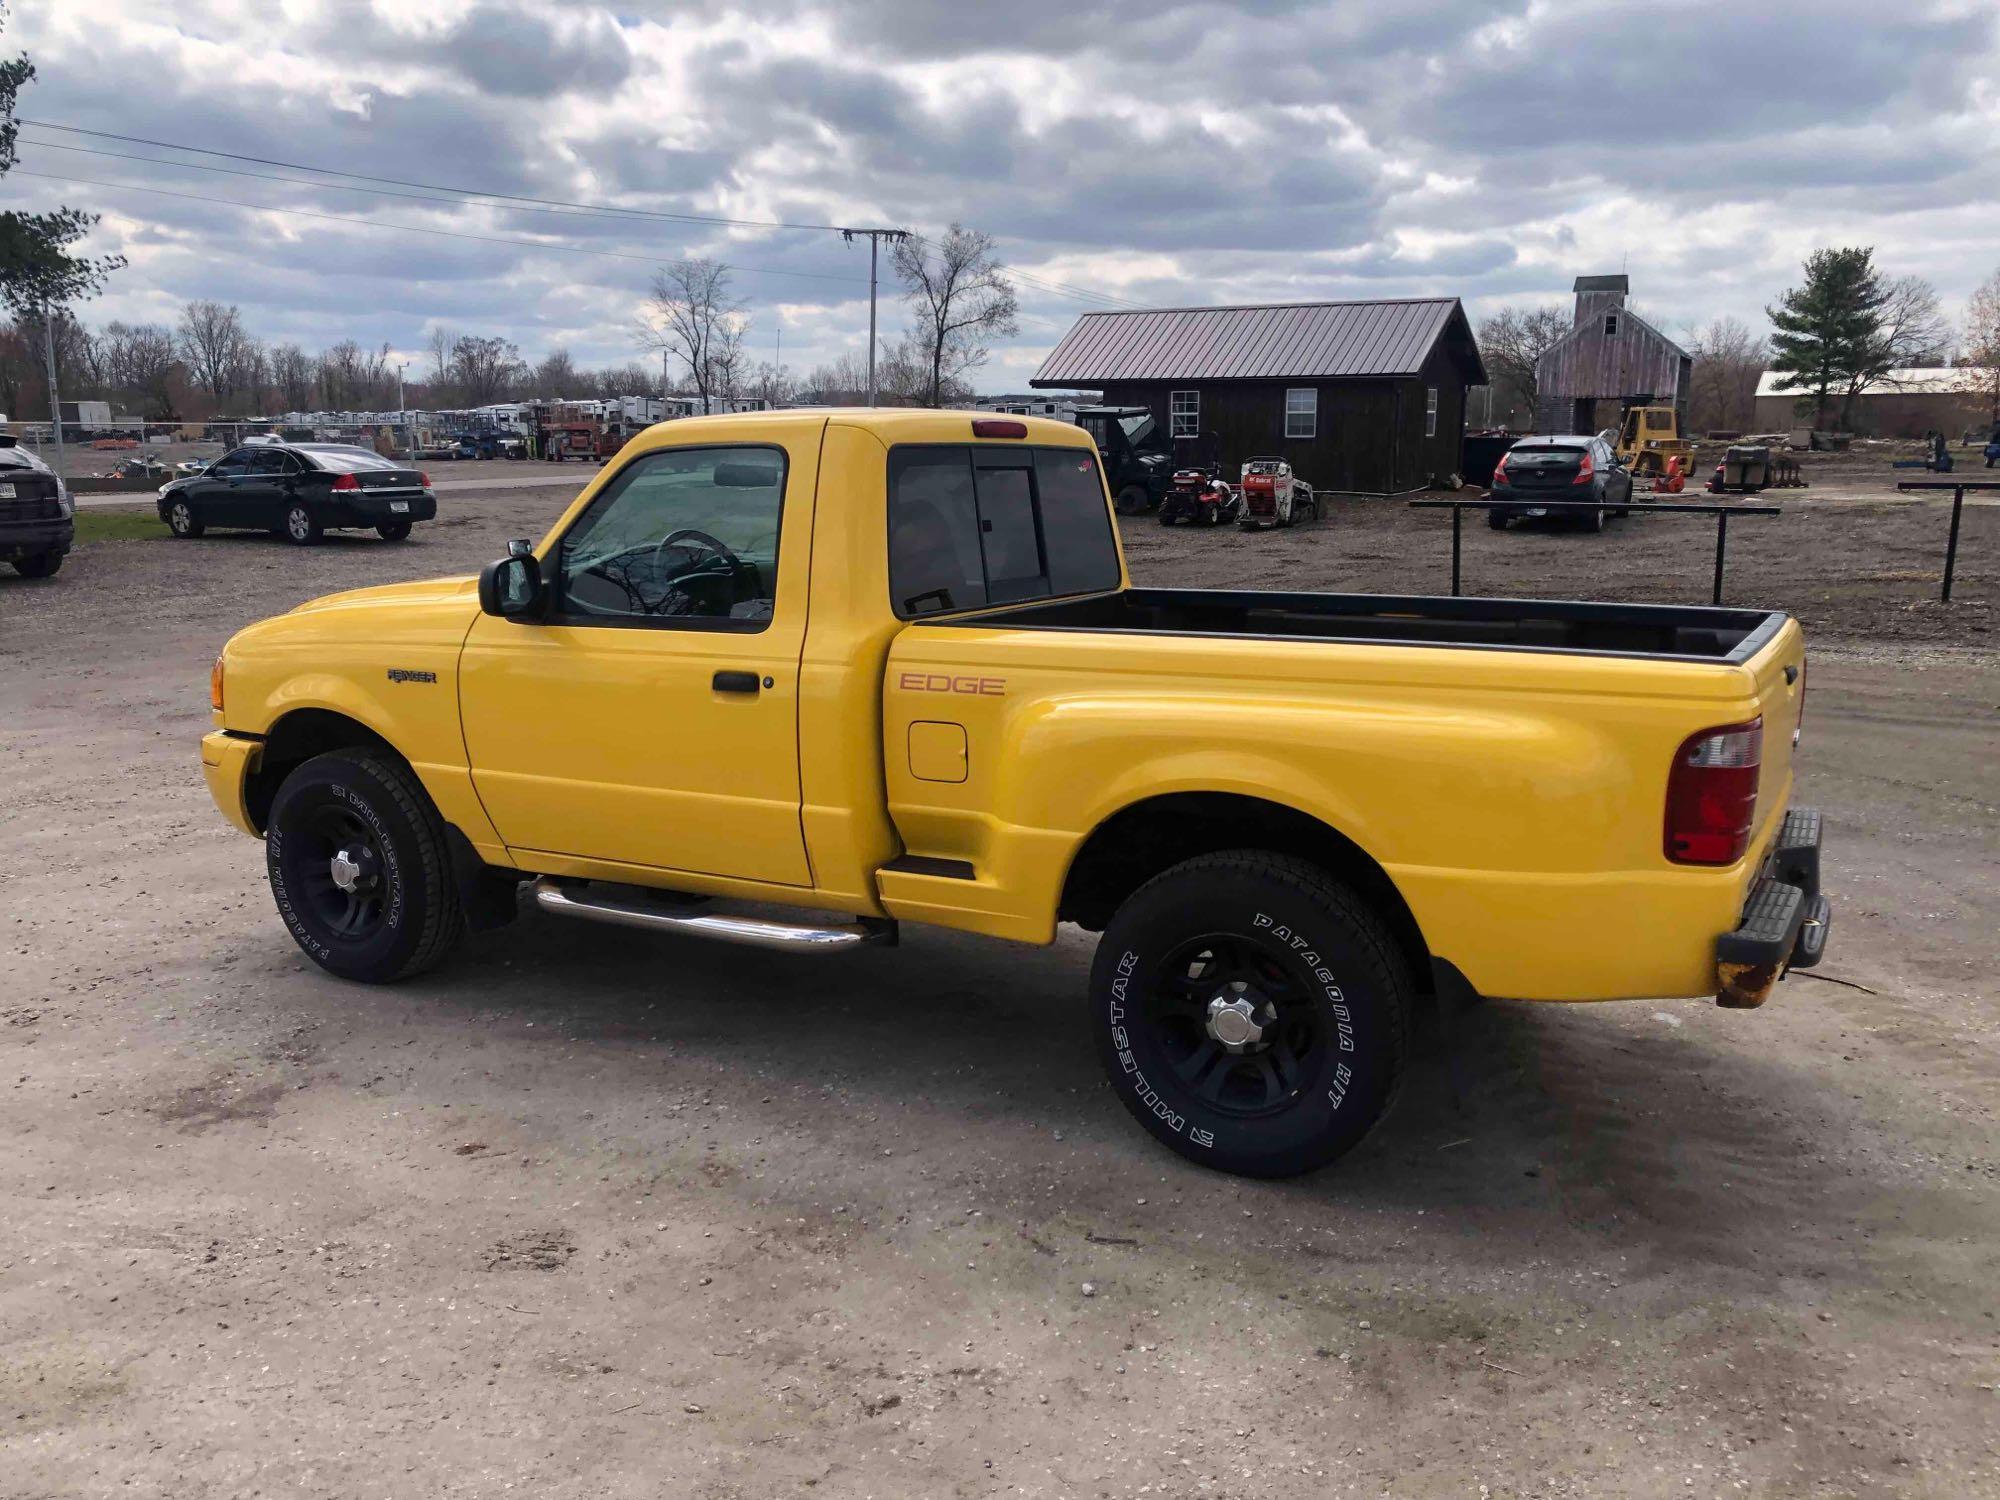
[873,667]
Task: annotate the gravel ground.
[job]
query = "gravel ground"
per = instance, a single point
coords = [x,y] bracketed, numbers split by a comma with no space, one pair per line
[589,1213]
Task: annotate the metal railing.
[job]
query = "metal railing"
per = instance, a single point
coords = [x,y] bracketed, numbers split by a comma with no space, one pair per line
[1722,513]
[1958,487]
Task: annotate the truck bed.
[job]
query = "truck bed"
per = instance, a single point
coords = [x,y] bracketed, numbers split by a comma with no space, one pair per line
[1670,632]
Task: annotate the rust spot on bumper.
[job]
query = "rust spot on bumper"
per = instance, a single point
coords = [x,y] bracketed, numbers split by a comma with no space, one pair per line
[1745,986]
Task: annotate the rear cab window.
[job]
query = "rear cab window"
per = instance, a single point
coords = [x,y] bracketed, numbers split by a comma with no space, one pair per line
[978,524]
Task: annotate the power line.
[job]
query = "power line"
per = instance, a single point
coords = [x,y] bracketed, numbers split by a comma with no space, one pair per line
[455,234]
[518,202]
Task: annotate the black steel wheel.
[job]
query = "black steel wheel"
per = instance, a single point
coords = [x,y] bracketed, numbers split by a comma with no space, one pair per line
[1252,1013]
[181,520]
[359,868]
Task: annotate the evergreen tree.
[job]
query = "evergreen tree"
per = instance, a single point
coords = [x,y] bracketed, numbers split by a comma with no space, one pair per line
[1829,330]
[35,264]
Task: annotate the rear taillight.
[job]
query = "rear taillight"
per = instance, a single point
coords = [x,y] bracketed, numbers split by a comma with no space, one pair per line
[346,482]
[1500,469]
[1584,470]
[424,480]
[1800,727]
[1712,794]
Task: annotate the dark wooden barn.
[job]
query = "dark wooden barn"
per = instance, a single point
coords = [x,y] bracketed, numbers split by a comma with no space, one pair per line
[1359,396]
[1610,355]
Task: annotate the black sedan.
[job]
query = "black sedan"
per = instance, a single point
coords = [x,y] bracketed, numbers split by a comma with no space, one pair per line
[1538,470]
[300,490]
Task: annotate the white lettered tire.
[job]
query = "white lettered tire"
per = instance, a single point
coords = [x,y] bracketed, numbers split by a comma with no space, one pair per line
[1252,1012]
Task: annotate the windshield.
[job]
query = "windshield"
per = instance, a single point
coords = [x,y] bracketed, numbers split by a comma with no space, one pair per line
[338,460]
[1138,430]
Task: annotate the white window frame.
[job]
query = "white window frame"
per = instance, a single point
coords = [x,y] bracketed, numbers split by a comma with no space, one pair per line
[1309,410]
[1184,407]
[1430,411]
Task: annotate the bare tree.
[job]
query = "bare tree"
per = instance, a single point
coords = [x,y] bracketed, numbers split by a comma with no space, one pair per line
[485,370]
[1510,342]
[1729,357]
[1979,346]
[692,318]
[292,376]
[143,359]
[557,375]
[625,380]
[211,337]
[960,300]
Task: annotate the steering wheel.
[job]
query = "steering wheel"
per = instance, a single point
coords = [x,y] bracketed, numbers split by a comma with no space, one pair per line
[732,565]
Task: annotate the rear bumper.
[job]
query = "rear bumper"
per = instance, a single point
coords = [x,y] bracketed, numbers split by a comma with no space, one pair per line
[364,509]
[1785,922]
[226,763]
[32,538]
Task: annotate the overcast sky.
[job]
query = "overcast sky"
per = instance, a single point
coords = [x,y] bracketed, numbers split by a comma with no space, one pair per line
[1158,153]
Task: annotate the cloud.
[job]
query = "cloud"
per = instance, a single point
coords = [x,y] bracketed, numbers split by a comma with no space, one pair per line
[1170,152]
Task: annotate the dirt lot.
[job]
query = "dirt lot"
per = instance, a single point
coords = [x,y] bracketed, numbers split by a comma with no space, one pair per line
[594,1214]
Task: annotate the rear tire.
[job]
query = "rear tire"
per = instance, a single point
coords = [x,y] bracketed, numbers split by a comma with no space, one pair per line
[1131,500]
[39,564]
[1594,521]
[301,526]
[393,531]
[181,521]
[1497,519]
[1311,970]
[363,816]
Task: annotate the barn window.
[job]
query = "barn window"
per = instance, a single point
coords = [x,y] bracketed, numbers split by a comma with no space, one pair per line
[1611,325]
[1185,409]
[1430,411]
[1301,412]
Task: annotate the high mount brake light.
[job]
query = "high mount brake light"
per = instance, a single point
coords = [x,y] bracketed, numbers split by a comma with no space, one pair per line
[346,482]
[1712,794]
[993,427]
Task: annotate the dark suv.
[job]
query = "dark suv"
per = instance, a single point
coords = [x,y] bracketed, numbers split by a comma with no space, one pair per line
[1537,470]
[37,522]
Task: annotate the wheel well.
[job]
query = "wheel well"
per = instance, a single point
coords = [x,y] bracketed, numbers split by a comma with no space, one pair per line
[1132,846]
[296,739]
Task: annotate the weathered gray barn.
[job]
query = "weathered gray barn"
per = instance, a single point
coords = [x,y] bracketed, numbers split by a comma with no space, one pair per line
[1610,354]
[1357,396]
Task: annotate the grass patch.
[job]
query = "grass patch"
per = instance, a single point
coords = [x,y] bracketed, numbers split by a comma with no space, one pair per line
[118,523]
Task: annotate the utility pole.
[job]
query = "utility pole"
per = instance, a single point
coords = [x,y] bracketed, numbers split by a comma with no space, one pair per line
[875,238]
[402,413]
[55,406]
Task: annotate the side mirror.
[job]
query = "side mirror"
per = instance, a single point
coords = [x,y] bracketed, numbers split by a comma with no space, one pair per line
[511,586]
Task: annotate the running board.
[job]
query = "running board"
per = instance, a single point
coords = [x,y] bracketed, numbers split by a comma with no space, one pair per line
[624,906]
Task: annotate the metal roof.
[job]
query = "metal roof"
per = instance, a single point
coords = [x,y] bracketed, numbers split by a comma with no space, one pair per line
[1313,340]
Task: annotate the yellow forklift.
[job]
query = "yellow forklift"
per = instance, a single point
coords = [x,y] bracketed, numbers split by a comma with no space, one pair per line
[1648,436]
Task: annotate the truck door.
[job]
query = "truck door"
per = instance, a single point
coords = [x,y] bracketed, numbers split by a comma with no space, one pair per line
[652,717]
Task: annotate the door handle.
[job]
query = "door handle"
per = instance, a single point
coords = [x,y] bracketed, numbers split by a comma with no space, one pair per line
[734,682]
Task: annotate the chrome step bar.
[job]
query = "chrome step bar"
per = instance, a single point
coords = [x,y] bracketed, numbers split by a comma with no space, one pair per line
[627,906]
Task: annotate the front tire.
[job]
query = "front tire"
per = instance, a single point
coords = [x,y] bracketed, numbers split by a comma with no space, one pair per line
[1131,500]
[302,527]
[1252,1013]
[181,521]
[359,867]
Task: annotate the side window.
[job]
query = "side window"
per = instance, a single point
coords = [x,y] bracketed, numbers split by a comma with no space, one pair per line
[1184,408]
[1430,411]
[236,461]
[267,461]
[983,525]
[1301,411]
[683,536]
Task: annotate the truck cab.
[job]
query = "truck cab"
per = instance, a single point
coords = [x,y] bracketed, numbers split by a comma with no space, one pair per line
[1138,459]
[879,668]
